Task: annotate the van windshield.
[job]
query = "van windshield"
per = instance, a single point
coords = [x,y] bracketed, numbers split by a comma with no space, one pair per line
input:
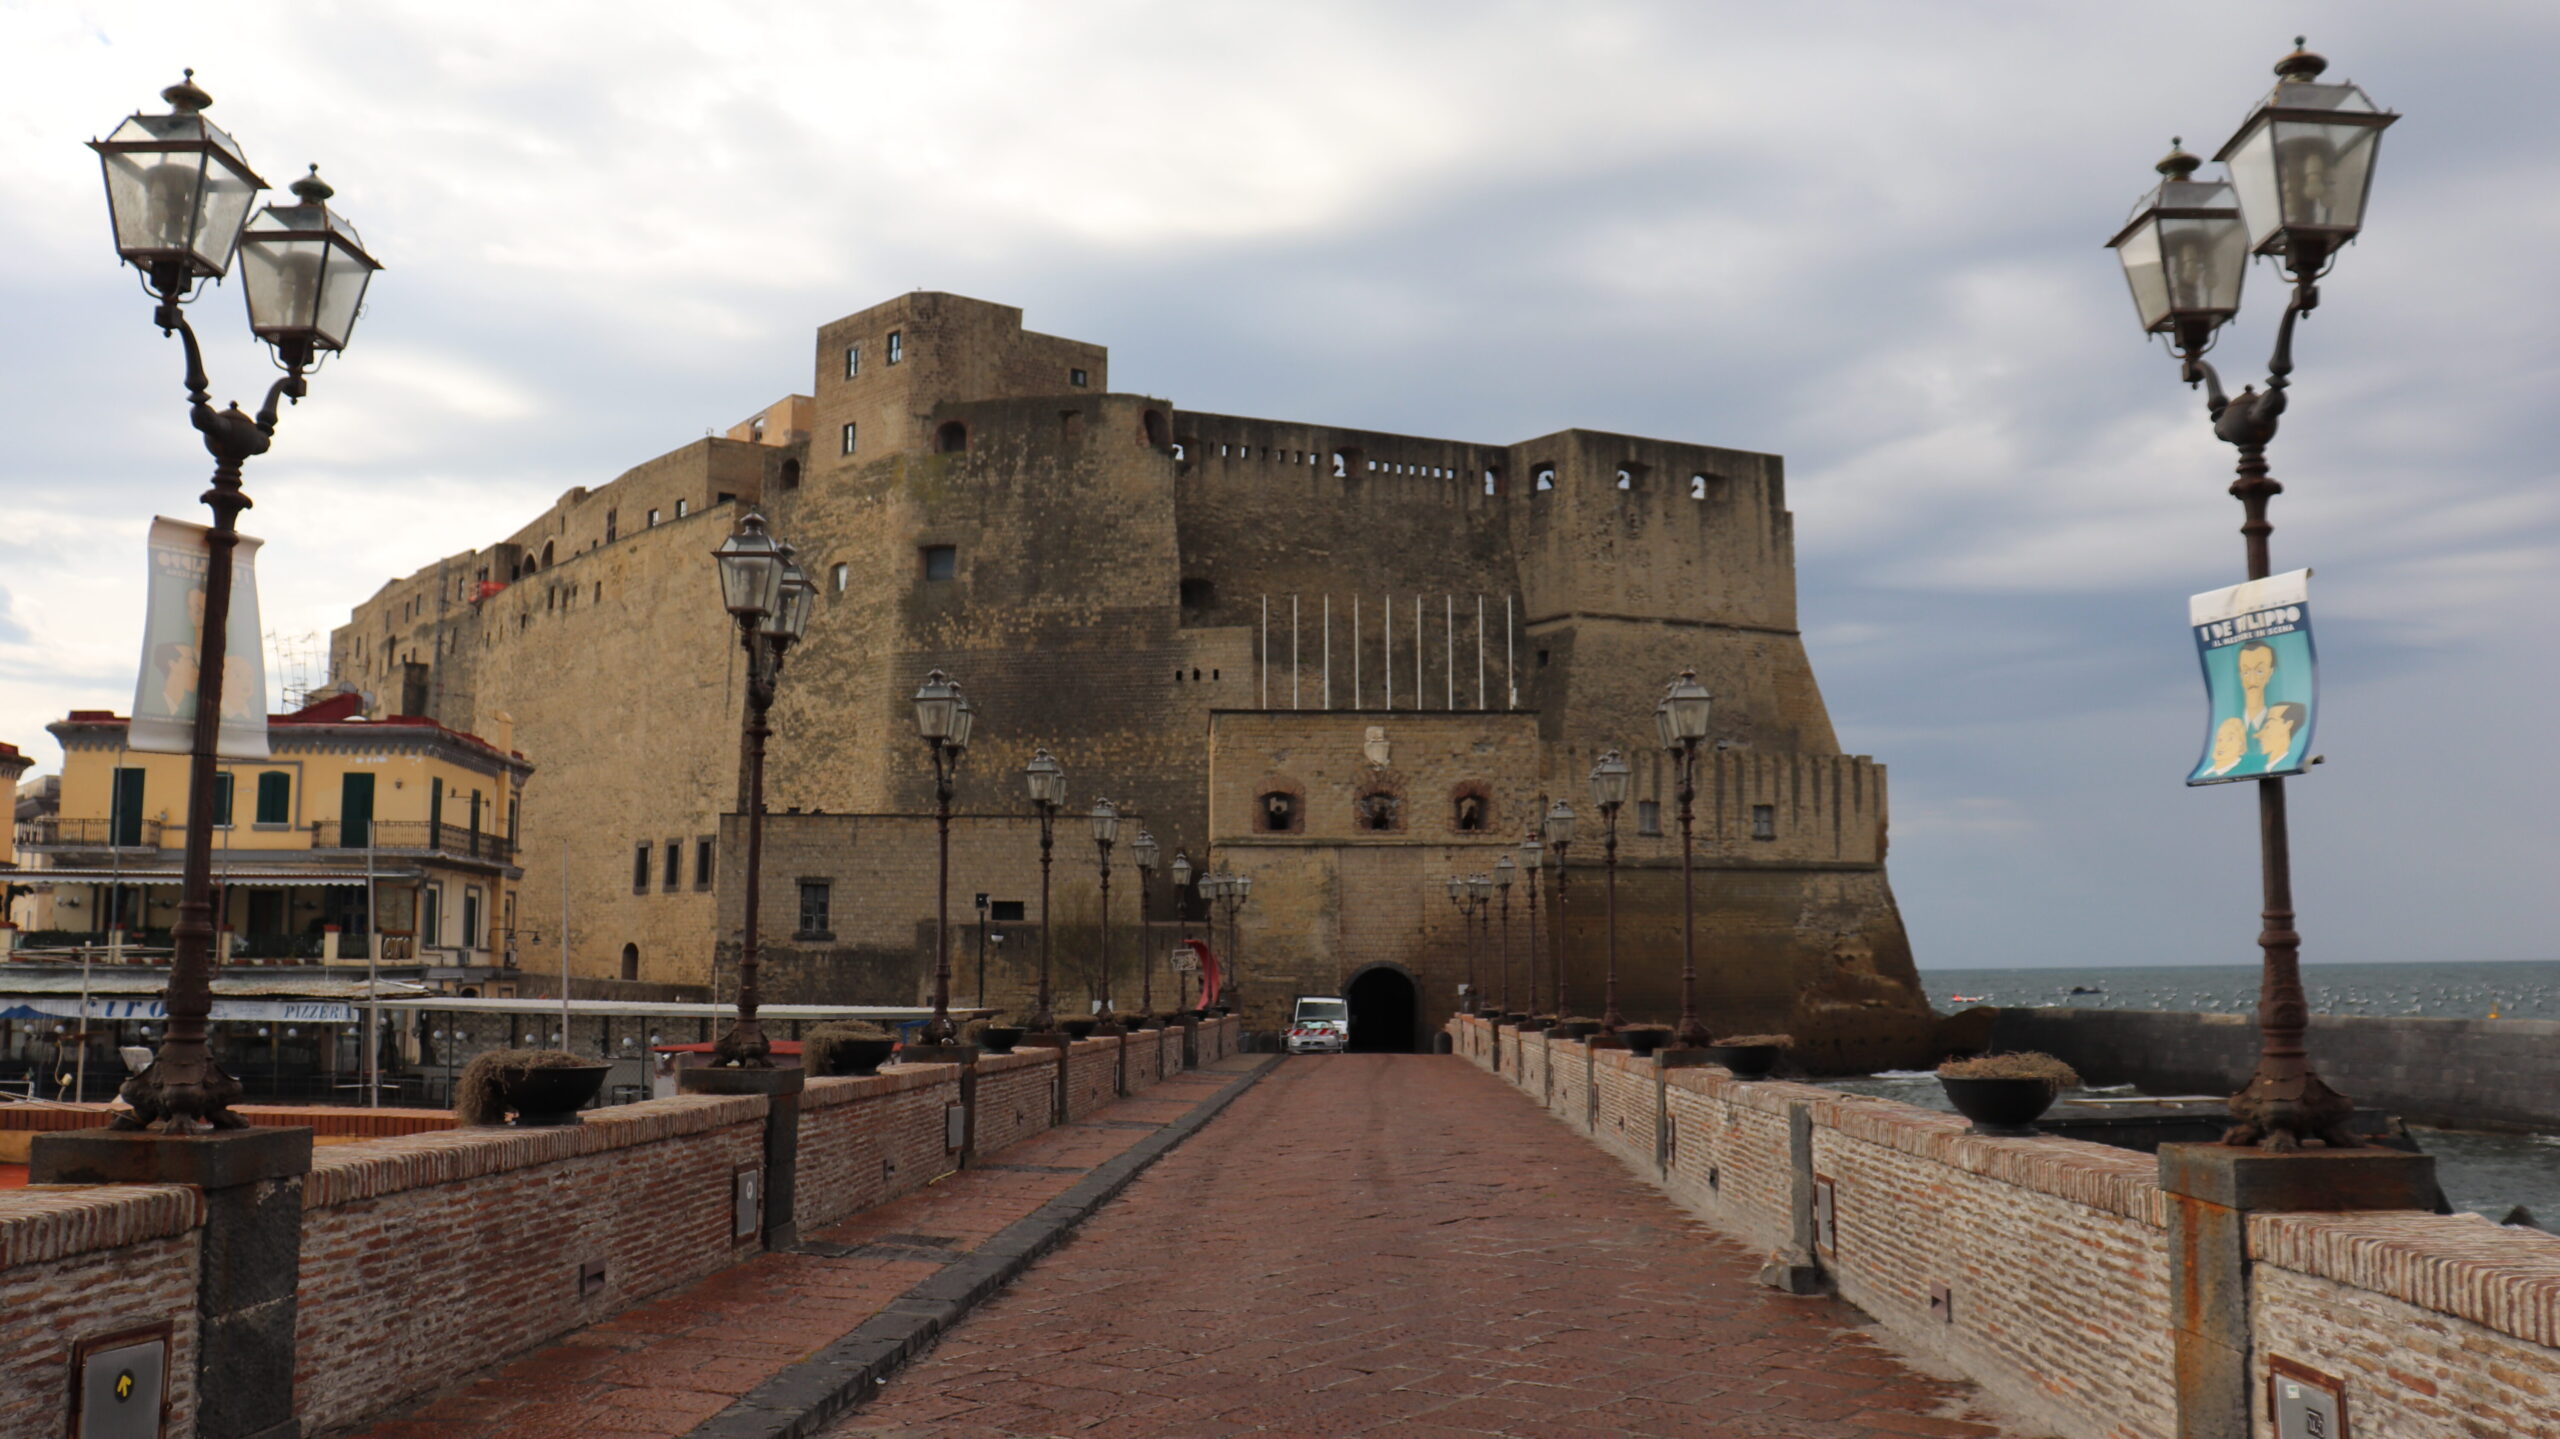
[1323,1009]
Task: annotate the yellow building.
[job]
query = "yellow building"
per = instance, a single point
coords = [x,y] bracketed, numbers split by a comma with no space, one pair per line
[419,816]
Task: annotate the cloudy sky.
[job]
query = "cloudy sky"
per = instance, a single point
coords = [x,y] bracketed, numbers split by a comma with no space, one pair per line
[1865,236]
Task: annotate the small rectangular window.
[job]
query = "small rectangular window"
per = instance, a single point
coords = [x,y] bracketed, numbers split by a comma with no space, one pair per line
[610,517]
[275,797]
[848,437]
[675,865]
[852,361]
[1764,821]
[653,519]
[431,915]
[640,868]
[471,917]
[222,800]
[1648,816]
[681,507]
[897,347]
[1077,378]
[840,576]
[941,562]
[1005,911]
[813,910]
[702,862]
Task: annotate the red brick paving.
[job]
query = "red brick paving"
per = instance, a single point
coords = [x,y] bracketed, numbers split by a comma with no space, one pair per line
[662,1367]
[1401,1245]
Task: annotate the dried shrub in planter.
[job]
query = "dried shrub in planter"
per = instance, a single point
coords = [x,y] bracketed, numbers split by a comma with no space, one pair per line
[2026,1064]
[822,1045]
[479,1096]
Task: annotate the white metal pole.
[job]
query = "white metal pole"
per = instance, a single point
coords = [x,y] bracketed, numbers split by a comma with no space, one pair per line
[1387,647]
[1420,654]
[564,940]
[1355,652]
[1449,648]
[1510,660]
[1293,651]
[373,982]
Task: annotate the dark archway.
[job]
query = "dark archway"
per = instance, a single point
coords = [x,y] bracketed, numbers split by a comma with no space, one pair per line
[1385,1011]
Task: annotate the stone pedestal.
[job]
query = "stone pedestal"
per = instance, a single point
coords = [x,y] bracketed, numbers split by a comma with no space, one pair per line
[251,1255]
[782,1089]
[2213,1189]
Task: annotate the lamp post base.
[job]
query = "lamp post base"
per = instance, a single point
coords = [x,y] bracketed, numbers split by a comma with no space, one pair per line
[2278,1113]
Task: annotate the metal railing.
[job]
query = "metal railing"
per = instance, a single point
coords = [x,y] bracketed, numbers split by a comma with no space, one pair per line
[60,832]
[411,836]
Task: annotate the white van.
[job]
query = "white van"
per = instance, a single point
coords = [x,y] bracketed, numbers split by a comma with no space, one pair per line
[1321,1025]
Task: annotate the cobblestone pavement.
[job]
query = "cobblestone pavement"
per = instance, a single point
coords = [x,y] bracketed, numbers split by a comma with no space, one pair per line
[661,1367]
[1400,1245]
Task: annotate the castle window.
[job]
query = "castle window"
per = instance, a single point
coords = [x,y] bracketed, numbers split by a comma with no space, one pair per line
[1199,594]
[1648,816]
[682,506]
[848,437]
[1076,378]
[840,576]
[611,519]
[702,862]
[952,438]
[1005,911]
[631,961]
[1544,477]
[941,562]
[814,894]
[1697,487]
[790,477]
[1377,811]
[852,361]
[1492,481]
[599,589]
[897,347]
[1276,813]
[1468,814]
[546,554]
[640,868]
[675,865]
[1764,821]
[653,520]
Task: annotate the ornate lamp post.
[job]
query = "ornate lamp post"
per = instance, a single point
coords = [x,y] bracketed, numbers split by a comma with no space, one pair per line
[1213,891]
[943,721]
[1181,927]
[1533,855]
[1106,830]
[1559,828]
[179,193]
[1609,792]
[1143,850]
[770,599]
[1505,870]
[2301,167]
[1233,891]
[1480,901]
[1680,721]
[1460,900]
[1047,781]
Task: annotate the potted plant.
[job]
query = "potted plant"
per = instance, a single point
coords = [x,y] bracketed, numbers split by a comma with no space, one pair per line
[1644,1039]
[2003,1093]
[846,1046]
[1079,1026]
[996,1038]
[539,1086]
[1532,1023]
[1749,1056]
[1578,1027]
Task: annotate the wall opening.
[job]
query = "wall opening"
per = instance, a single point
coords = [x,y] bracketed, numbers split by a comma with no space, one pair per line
[1199,594]
[952,438]
[1379,810]
[631,961]
[546,554]
[1544,477]
[790,474]
[1158,431]
[1276,812]
[1384,1011]
[1697,487]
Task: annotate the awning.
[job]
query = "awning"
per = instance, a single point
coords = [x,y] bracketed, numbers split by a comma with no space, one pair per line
[268,878]
[283,1011]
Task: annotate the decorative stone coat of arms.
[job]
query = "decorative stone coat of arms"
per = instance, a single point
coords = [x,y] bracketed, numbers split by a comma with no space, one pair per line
[1375,746]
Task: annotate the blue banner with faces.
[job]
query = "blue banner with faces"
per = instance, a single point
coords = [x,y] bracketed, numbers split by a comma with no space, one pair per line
[2261,678]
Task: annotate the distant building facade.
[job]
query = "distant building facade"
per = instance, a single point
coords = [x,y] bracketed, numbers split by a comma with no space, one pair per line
[1109,576]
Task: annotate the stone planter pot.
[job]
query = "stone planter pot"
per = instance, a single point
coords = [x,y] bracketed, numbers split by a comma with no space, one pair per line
[2000,1107]
[1746,1061]
[855,1056]
[1572,1028]
[1532,1024]
[1079,1028]
[999,1038]
[545,1097]
[1644,1039]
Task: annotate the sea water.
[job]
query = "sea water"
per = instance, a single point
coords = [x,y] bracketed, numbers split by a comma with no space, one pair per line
[2481,1173]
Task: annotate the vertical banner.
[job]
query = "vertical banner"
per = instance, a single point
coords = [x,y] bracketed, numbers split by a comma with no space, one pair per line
[2261,679]
[164,697]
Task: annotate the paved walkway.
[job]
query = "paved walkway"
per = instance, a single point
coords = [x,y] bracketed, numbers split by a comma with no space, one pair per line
[659,1369]
[1400,1245]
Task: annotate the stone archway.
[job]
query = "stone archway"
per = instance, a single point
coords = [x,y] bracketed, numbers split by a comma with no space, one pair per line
[1386,1010]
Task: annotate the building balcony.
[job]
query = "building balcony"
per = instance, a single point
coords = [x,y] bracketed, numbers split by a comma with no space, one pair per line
[412,837]
[57,832]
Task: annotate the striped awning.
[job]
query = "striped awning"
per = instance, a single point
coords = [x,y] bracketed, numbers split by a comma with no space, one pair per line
[263,876]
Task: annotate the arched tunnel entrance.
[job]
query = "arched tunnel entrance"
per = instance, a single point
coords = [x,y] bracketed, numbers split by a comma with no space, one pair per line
[1384,1011]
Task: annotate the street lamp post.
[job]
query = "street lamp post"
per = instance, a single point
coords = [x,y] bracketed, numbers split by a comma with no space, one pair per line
[1143,850]
[1533,857]
[1680,721]
[1106,831]
[1460,901]
[1609,792]
[1047,781]
[1181,927]
[1504,871]
[982,949]
[1480,905]
[943,721]
[2301,169]
[179,193]
[770,600]
[1559,826]
[1233,890]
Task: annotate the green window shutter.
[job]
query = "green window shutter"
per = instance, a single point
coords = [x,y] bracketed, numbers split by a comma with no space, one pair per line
[355,810]
[222,799]
[275,797]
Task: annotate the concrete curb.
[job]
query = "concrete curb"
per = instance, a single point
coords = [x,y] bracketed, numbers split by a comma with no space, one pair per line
[807,1396]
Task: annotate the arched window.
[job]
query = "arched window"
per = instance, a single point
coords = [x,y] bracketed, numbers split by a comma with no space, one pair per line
[1697,487]
[790,476]
[546,554]
[1158,432]
[952,438]
[1544,477]
[631,961]
[1469,814]
[1379,810]
[1276,812]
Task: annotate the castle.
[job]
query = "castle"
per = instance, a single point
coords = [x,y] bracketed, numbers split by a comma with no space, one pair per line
[1110,576]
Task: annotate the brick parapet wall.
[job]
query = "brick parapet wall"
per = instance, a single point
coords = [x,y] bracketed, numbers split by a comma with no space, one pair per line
[125,1258]
[867,1139]
[1017,1097]
[345,1173]
[47,1222]
[1093,1070]
[2055,1254]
